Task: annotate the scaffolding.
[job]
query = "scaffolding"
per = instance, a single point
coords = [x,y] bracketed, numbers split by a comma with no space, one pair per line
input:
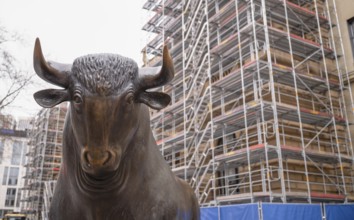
[257,111]
[44,159]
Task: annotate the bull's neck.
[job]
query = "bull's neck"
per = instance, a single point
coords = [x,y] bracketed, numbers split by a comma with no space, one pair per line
[117,182]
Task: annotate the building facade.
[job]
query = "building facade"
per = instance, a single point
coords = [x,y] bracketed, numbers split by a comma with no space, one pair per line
[7,121]
[259,106]
[346,24]
[44,159]
[13,148]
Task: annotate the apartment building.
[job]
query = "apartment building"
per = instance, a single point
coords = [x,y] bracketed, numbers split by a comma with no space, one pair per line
[13,148]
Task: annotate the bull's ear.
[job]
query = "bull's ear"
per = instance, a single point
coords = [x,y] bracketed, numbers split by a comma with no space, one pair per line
[156,100]
[49,98]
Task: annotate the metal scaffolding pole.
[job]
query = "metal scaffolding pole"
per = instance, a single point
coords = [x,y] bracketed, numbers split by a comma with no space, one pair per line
[274,104]
[244,100]
[184,11]
[297,103]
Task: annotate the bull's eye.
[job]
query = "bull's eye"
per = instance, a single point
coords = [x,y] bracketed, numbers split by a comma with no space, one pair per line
[77,101]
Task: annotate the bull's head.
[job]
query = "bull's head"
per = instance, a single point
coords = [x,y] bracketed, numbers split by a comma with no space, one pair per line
[105,92]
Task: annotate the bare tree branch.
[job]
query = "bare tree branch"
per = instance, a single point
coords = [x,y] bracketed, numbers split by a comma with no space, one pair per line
[13,79]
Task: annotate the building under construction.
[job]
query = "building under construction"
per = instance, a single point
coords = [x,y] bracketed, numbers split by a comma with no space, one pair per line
[258,111]
[44,158]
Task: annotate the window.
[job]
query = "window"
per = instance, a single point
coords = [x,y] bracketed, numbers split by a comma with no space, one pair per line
[351,33]
[24,148]
[10,197]
[13,176]
[4,178]
[11,191]
[16,153]
[10,176]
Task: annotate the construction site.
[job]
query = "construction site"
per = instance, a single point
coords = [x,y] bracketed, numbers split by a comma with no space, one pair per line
[258,111]
[44,159]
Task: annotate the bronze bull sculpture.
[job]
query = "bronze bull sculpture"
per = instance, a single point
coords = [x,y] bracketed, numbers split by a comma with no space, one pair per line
[111,167]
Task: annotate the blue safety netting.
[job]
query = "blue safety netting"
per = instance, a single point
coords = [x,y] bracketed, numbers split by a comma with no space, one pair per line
[342,212]
[272,211]
[239,212]
[291,212]
[211,213]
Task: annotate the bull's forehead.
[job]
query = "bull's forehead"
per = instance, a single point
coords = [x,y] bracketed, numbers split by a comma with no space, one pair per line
[104,74]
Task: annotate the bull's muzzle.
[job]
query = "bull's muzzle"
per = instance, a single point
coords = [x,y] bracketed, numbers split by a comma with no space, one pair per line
[97,158]
[97,162]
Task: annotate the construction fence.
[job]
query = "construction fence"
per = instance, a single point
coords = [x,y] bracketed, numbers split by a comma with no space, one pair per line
[273,211]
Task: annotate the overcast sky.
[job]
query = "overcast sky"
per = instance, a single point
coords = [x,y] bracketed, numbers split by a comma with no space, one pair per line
[71,28]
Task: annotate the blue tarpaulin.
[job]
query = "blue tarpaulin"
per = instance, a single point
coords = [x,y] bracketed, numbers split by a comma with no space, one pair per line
[291,212]
[240,212]
[342,212]
[211,213]
[273,211]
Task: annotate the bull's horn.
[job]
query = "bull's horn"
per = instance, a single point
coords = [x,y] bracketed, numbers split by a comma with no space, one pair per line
[53,73]
[151,77]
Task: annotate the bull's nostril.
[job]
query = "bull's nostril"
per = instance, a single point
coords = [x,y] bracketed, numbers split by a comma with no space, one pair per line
[86,158]
[108,158]
[89,157]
